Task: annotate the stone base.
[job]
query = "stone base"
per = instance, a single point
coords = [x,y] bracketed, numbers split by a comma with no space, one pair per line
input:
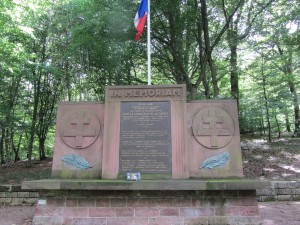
[194,203]
[147,207]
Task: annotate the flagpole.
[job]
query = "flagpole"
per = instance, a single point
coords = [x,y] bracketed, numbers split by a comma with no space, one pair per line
[149,43]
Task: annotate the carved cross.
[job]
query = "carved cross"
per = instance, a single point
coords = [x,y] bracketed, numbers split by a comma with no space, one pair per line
[81,130]
[213,131]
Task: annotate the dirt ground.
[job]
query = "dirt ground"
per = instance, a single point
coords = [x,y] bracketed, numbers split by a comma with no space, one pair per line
[279,160]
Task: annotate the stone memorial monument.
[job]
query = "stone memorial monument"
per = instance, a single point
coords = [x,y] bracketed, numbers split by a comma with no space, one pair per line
[186,156]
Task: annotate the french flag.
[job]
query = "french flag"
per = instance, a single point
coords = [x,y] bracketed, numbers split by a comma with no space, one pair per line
[140,18]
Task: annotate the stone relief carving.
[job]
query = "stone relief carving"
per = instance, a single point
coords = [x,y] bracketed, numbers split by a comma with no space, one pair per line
[216,161]
[76,161]
[213,127]
[80,128]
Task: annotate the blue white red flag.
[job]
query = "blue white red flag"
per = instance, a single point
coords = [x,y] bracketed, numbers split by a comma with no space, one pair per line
[140,18]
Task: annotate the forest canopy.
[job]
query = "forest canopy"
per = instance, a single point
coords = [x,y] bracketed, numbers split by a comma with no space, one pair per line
[70,50]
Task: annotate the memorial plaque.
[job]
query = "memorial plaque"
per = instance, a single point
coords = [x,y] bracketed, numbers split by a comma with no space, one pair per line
[145,137]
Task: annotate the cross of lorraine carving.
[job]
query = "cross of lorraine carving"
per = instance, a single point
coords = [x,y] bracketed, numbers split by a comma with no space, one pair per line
[80,126]
[213,127]
[212,119]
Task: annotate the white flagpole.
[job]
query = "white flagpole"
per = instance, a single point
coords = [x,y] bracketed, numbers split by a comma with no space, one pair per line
[149,43]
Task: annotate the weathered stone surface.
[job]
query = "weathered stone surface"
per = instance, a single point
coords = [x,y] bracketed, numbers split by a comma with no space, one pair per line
[142,207]
[214,139]
[146,185]
[116,101]
[78,140]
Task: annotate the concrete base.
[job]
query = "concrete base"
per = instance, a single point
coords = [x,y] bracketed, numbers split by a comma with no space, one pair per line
[184,202]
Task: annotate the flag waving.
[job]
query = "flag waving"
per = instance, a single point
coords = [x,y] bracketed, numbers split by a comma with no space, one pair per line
[140,18]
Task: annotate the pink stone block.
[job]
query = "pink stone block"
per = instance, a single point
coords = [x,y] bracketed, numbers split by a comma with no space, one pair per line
[160,221]
[177,220]
[139,202]
[56,202]
[146,212]
[102,212]
[86,202]
[47,211]
[139,221]
[124,212]
[213,132]
[119,221]
[79,132]
[228,211]
[249,211]
[172,202]
[57,220]
[196,212]
[75,212]
[102,202]
[68,221]
[169,211]
[198,221]
[242,201]
[42,220]
[89,221]
[71,202]
[118,202]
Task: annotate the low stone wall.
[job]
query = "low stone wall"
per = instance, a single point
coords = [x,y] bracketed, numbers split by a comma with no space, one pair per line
[13,195]
[280,191]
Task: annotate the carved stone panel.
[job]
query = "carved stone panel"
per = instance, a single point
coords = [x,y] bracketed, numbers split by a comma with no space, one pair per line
[78,140]
[145,132]
[214,139]
[213,127]
[80,128]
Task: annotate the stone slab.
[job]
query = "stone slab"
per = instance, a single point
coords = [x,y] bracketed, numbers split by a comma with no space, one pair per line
[214,139]
[213,185]
[78,140]
[115,98]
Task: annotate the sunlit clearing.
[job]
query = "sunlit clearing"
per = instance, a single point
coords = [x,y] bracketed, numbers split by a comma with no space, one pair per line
[287,154]
[272,159]
[259,141]
[297,170]
[286,174]
[268,169]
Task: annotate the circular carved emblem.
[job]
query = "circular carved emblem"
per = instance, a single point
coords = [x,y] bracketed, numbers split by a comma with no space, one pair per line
[80,128]
[213,127]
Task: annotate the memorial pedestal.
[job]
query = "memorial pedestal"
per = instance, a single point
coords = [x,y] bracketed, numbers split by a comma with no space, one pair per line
[154,132]
[172,202]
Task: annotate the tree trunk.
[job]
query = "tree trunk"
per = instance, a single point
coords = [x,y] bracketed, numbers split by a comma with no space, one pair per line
[278,126]
[288,72]
[208,49]
[266,101]
[287,121]
[16,149]
[42,149]
[234,79]
[34,119]
[296,108]
[2,146]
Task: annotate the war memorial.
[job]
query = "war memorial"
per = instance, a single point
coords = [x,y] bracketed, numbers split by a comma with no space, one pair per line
[147,156]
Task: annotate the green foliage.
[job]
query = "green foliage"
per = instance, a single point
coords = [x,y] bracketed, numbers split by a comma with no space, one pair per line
[70,50]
